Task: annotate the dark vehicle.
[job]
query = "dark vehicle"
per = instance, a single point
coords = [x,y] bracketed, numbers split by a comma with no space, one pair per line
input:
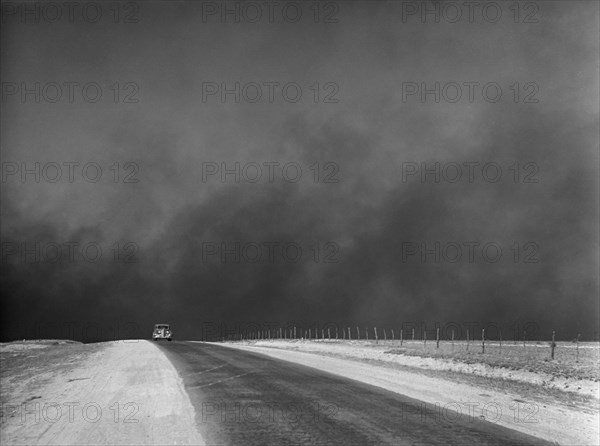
[162,331]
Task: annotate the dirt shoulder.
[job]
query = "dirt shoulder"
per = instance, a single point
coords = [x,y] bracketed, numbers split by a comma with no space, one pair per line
[567,418]
[123,393]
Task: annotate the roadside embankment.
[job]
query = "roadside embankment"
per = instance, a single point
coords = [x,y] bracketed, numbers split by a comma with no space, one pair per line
[121,393]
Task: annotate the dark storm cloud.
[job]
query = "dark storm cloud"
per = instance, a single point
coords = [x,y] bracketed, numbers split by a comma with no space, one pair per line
[172,216]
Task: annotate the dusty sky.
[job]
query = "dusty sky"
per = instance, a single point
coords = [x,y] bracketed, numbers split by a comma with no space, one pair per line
[372,223]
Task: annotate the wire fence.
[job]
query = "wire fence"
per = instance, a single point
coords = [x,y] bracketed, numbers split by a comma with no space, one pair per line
[413,340]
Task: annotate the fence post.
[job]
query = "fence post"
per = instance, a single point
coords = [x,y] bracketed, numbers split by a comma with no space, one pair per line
[295,332]
[413,334]
[328,333]
[437,338]
[500,341]
[367,333]
[483,340]
[357,333]
[336,332]
[553,344]
[349,335]
[524,337]
[384,335]
[376,337]
[401,337]
[424,338]
[468,330]
[392,335]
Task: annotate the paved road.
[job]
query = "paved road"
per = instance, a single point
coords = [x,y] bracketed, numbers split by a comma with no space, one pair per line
[244,398]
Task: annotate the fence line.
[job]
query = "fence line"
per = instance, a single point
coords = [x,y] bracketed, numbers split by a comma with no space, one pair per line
[295,333]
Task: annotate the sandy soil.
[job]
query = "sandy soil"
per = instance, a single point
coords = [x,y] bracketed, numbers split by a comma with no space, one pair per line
[511,401]
[563,377]
[122,393]
[33,344]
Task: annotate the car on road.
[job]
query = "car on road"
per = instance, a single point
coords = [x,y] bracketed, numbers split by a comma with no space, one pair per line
[162,331]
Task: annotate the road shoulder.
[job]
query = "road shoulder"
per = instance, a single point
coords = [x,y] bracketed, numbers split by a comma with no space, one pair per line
[122,393]
[559,424]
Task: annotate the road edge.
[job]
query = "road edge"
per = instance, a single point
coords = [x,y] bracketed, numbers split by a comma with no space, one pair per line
[556,427]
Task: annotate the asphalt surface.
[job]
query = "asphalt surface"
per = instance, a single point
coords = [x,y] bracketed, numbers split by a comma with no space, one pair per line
[244,398]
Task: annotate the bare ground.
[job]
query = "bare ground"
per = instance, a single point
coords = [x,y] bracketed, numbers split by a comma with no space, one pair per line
[562,407]
[126,392]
